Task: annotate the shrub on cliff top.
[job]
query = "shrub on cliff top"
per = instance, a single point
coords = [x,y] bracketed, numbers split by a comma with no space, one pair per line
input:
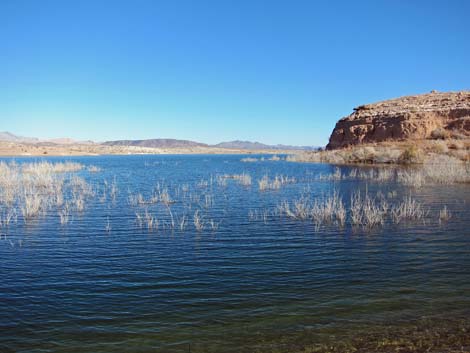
[439,134]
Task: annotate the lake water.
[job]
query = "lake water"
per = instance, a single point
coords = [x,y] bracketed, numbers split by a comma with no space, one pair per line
[250,281]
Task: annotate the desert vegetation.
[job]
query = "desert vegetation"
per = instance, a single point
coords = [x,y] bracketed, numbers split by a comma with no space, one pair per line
[266,183]
[274,158]
[32,190]
[242,179]
[437,169]
[395,152]
[364,210]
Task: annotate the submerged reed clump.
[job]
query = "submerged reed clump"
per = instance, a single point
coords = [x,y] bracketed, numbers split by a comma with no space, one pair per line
[243,178]
[337,175]
[203,183]
[265,183]
[327,209]
[256,215]
[164,196]
[32,206]
[407,210]
[113,190]
[8,216]
[93,169]
[107,227]
[437,169]
[414,178]
[198,221]
[182,222]
[364,210]
[138,199]
[367,211]
[444,214]
[275,158]
[371,174]
[38,188]
[249,160]
[208,201]
[443,169]
[221,180]
[148,220]
[214,225]
[41,168]
[64,214]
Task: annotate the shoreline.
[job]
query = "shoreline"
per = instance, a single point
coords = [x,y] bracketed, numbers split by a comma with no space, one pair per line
[11,149]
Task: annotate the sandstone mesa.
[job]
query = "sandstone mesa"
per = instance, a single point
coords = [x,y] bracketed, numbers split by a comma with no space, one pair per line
[430,115]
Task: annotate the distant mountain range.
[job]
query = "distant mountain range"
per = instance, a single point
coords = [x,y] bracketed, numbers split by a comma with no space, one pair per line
[248,145]
[8,136]
[155,143]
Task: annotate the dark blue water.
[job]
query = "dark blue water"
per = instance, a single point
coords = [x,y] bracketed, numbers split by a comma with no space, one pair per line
[102,283]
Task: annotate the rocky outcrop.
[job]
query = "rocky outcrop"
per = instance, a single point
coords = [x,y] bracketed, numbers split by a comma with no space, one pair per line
[405,118]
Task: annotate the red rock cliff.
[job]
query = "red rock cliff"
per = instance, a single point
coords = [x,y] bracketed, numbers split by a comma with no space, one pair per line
[410,117]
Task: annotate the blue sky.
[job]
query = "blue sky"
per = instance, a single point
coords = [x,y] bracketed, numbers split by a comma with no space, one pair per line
[271,71]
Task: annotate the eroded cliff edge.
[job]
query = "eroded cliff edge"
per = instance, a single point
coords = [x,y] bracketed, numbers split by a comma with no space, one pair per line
[431,115]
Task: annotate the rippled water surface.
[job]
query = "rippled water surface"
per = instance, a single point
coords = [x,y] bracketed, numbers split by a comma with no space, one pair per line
[251,281]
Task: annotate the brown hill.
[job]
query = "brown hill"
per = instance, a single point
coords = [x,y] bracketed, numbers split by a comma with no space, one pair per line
[156,143]
[433,115]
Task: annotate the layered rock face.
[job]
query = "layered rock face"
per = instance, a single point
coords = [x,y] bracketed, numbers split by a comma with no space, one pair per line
[405,118]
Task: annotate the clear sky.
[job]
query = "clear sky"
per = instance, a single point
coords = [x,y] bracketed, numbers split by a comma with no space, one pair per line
[271,71]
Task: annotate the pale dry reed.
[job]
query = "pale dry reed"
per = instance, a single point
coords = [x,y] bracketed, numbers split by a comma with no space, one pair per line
[37,188]
[444,214]
[372,174]
[249,160]
[94,169]
[243,178]
[326,209]
[414,178]
[164,196]
[256,215]
[265,183]
[198,221]
[408,210]
[64,214]
[439,169]
[41,168]
[182,222]
[8,216]
[367,211]
[214,225]
[107,228]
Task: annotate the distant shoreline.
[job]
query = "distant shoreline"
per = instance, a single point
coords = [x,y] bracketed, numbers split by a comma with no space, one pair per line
[12,149]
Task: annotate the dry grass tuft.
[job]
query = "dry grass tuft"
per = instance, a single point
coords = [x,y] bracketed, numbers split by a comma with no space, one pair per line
[40,187]
[408,209]
[265,183]
[94,169]
[367,211]
[327,209]
[243,179]
[198,221]
[444,214]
